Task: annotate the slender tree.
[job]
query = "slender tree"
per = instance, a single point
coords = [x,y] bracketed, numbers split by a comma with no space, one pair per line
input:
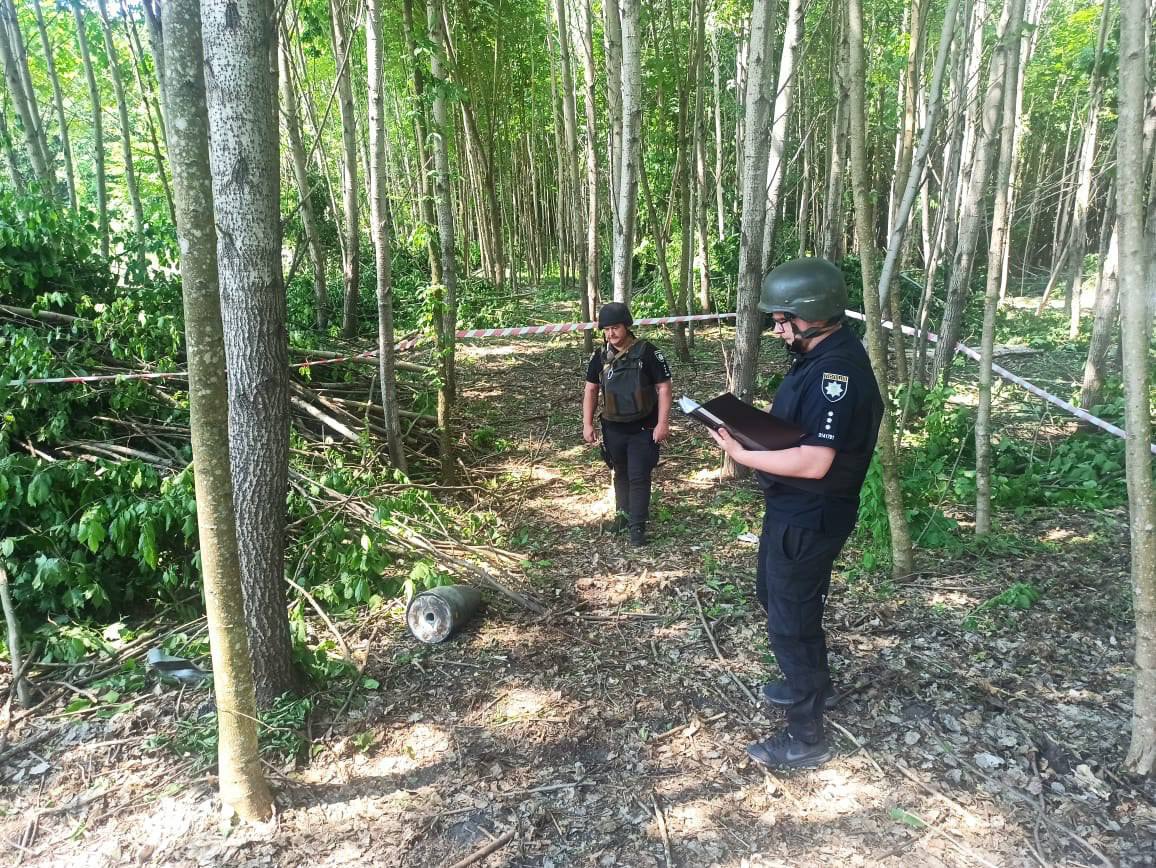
[780,117]
[1134,317]
[239,764]
[998,240]
[125,129]
[351,248]
[22,95]
[240,47]
[447,314]
[379,226]
[97,128]
[628,168]
[58,102]
[757,109]
[902,562]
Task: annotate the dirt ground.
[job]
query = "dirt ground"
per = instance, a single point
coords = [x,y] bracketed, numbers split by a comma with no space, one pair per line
[612,731]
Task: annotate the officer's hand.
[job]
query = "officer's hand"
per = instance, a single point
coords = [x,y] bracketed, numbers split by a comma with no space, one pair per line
[589,434]
[727,443]
[661,432]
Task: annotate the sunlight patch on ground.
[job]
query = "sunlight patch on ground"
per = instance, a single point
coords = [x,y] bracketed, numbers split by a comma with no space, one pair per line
[421,746]
[483,350]
[952,600]
[1058,534]
[523,704]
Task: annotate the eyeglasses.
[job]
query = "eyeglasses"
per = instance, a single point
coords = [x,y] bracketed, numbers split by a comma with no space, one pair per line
[776,325]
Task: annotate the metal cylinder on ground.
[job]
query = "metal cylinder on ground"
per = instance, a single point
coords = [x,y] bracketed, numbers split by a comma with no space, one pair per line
[435,615]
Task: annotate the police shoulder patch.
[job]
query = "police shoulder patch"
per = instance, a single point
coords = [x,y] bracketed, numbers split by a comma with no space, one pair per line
[834,386]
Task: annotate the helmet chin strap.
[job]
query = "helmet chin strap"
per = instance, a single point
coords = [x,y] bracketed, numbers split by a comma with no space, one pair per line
[815,331]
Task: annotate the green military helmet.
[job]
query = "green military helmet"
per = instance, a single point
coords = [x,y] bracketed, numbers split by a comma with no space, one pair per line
[811,289]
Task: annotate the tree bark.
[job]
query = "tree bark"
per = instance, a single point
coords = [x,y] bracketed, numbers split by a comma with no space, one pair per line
[144,85]
[378,214]
[902,562]
[240,48]
[242,784]
[757,108]
[97,129]
[1134,316]
[999,239]
[58,101]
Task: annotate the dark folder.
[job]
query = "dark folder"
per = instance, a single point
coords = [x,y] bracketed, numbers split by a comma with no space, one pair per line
[753,428]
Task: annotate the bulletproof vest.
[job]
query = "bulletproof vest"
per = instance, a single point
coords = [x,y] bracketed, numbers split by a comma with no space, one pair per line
[624,396]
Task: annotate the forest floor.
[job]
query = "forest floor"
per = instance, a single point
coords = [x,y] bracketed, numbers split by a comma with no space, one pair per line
[612,731]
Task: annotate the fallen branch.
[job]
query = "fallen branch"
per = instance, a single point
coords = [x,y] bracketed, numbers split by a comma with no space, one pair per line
[718,654]
[662,829]
[492,847]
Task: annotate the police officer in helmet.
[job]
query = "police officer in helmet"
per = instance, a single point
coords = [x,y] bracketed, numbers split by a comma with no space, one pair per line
[633,379]
[811,493]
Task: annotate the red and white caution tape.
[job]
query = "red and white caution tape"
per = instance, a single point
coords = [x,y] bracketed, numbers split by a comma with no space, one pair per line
[560,328]
[1067,406]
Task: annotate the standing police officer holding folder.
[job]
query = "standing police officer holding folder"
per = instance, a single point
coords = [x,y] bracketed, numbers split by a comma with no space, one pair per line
[811,491]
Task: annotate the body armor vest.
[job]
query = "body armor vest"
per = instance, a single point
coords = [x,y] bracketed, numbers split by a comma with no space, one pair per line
[624,396]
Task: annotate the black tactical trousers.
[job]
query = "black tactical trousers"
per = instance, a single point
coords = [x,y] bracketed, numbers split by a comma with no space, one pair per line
[632,455]
[792,581]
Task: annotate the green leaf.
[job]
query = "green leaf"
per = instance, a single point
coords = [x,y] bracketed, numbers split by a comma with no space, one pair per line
[370,683]
[907,819]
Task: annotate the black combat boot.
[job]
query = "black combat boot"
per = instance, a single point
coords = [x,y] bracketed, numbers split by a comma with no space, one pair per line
[638,535]
[783,752]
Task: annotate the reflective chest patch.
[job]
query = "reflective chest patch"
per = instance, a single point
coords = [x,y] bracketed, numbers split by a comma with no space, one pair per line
[834,386]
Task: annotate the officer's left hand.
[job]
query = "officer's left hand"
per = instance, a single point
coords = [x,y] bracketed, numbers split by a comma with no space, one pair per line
[661,432]
[727,443]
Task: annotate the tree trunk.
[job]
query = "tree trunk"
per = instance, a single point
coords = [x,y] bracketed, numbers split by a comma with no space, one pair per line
[1103,323]
[58,100]
[305,192]
[973,205]
[379,225]
[757,108]
[1083,193]
[1134,316]
[240,54]
[21,99]
[242,783]
[593,260]
[831,241]
[779,118]
[97,129]
[447,321]
[351,249]
[149,101]
[999,239]
[125,136]
[13,643]
[10,154]
[612,48]
[719,190]
[631,155]
[419,127]
[902,562]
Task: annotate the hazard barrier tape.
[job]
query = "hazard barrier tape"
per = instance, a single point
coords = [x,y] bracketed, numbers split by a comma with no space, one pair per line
[1018,380]
[560,328]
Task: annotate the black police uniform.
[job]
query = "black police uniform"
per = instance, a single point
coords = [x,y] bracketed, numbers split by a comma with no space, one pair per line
[830,391]
[629,447]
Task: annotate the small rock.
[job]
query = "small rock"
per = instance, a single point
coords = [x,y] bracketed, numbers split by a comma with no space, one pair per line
[911,737]
[988,761]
